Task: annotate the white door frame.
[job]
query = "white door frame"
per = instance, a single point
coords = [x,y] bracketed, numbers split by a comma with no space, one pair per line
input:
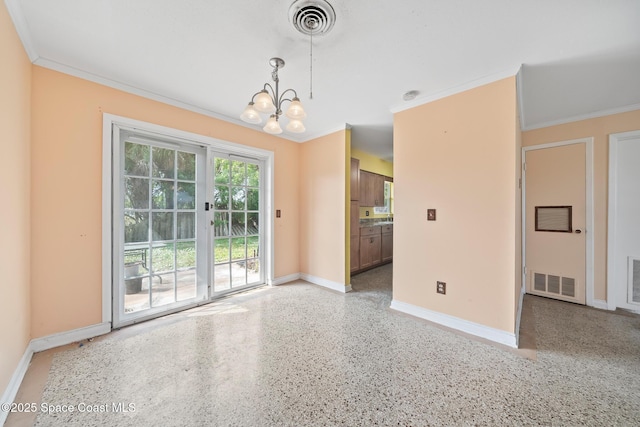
[611,223]
[108,121]
[589,291]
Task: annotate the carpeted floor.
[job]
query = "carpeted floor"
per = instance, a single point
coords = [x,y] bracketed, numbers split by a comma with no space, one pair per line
[301,355]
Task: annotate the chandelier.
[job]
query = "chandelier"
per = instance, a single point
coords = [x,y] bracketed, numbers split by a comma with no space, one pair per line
[270,101]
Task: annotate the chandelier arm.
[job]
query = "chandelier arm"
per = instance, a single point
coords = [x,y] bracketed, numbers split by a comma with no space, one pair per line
[282,98]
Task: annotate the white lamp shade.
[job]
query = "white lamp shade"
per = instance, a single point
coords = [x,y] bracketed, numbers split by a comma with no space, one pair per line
[295,110]
[264,103]
[295,126]
[272,126]
[250,115]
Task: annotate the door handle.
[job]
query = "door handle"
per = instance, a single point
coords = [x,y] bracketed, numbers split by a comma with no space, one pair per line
[578,231]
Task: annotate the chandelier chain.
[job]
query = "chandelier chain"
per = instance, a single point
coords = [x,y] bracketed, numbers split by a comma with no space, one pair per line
[311,64]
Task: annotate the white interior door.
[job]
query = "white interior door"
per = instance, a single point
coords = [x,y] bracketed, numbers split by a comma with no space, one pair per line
[555,220]
[624,220]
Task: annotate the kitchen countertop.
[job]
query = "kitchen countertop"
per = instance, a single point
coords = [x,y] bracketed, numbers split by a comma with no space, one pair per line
[375,221]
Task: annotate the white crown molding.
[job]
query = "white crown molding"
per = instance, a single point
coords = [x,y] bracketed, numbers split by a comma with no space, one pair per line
[338,128]
[593,115]
[326,283]
[456,89]
[482,331]
[56,66]
[17,16]
[65,69]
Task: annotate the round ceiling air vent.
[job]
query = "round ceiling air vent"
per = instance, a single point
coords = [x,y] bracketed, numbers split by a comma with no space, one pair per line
[314,17]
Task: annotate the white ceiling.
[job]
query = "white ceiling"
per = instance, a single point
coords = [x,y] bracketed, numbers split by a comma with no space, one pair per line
[581,57]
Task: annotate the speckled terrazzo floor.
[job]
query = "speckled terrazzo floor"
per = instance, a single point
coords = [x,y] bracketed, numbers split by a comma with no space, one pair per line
[300,355]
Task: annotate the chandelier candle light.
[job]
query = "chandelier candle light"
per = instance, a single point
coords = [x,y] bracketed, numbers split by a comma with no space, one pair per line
[269,101]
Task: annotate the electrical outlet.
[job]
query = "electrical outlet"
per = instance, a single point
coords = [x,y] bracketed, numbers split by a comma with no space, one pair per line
[278,213]
[431,214]
[366,213]
[441,288]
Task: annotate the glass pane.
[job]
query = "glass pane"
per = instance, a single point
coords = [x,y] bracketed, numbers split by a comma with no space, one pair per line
[238,248]
[221,198]
[253,271]
[162,194]
[186,227]
[186,285]
[237,223]
[136,294]
[221,250]
[135,254]
[253,249]
[253,175]
[253,199]
[222,277]
[162,291]
[186,166]
[162,258]
[162,225]
[186,255]
[136,159]
[221,224]
[238,274]
[186,195]
[238,175]
[136,226]
[252,223]
[136,193]
[163,162]
[221,170]
[237,201]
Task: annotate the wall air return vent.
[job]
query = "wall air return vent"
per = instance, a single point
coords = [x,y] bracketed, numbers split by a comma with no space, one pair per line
[555,285]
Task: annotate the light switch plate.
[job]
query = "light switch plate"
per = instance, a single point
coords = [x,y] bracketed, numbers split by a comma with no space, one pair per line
[431,214]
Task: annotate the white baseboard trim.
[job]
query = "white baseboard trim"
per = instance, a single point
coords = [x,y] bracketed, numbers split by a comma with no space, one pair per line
[11,391]
[519,313]
[326,283]
[486,332]
[285,279]
[601,304]
[67,337]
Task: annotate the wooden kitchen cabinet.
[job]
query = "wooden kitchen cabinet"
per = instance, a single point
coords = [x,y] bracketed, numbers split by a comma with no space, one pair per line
[370,246]
[387,243]
[371,189]
[355,179]
[355,236]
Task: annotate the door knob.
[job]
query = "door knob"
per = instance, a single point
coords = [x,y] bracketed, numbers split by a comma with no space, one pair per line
[578,231]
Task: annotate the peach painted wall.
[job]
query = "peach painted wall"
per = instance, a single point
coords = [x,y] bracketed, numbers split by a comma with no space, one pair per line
[66,178]
[15,122]
[599,128]
[323,206]
[458,155]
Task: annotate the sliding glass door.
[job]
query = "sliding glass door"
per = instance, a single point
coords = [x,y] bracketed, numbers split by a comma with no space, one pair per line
[187,224]
[237,222]
[161,230]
